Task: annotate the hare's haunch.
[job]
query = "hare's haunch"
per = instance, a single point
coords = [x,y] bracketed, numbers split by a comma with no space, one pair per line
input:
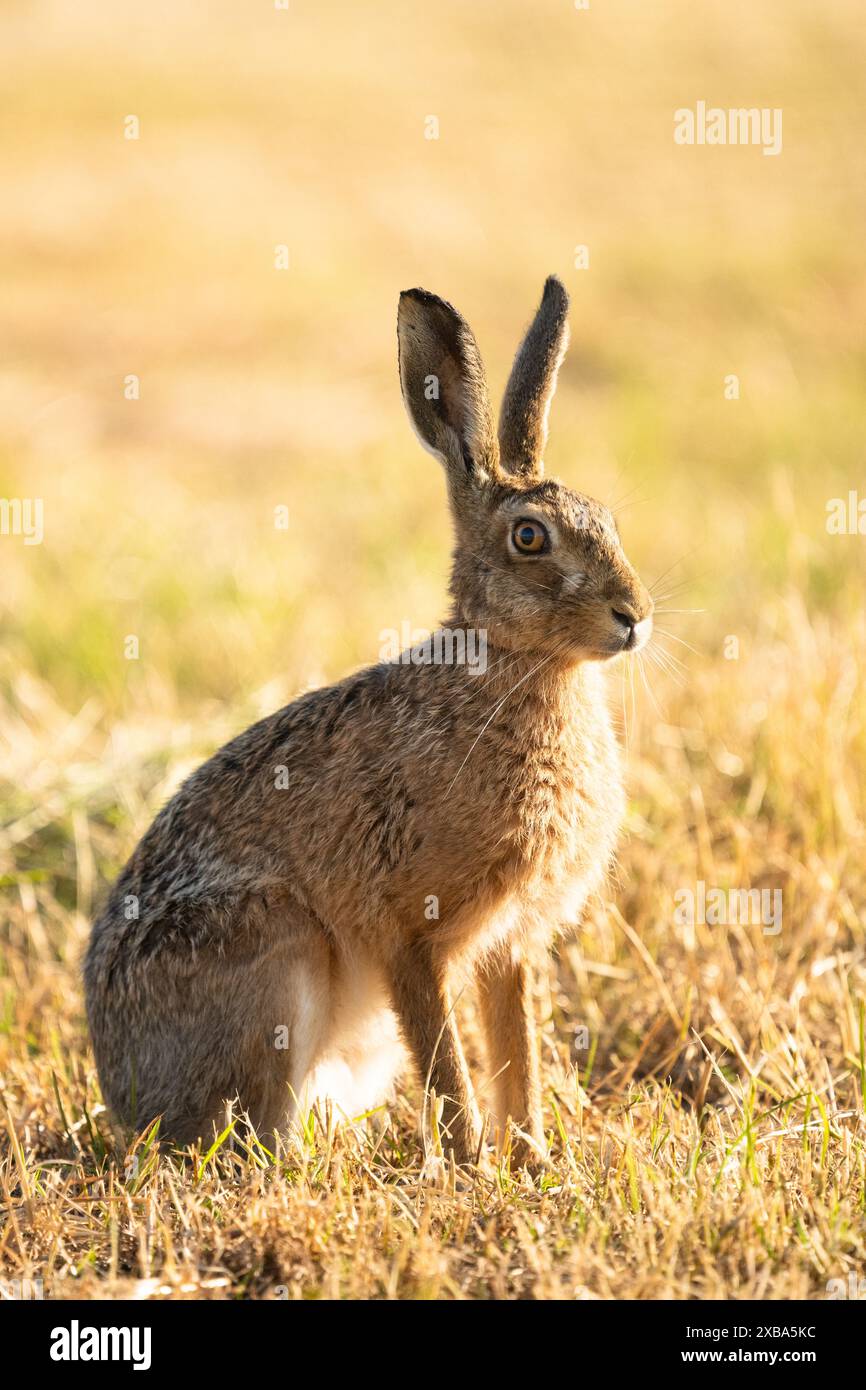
[287,927]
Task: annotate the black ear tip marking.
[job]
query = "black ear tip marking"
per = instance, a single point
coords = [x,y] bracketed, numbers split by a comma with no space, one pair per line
[554,290]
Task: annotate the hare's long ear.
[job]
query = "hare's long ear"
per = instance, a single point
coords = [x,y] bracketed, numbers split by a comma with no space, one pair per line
[444,387]
[526,404]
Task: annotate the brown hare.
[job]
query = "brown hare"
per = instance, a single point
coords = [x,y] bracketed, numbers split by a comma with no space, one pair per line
[288,926]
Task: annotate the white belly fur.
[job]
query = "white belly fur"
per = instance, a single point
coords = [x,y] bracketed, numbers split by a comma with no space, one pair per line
[362,1053]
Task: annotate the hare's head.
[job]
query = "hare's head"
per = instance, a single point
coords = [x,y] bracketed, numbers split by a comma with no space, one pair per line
[540,567]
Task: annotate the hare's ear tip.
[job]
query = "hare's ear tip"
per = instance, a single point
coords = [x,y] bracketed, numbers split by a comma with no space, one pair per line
[419,296]
[415,302]
[554,289]
[419,305]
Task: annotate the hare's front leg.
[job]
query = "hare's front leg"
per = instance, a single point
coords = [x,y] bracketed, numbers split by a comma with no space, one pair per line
[505,989]
[424,1012]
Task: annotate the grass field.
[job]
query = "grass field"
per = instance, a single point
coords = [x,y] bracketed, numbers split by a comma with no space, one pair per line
[704,1085]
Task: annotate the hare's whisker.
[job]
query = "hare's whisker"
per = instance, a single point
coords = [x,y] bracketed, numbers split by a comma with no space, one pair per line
[670,658]
[671,593]
[662,660]
[681,561]
[666,572]
[628,499]
[647,687]
[663,632]
[625,728]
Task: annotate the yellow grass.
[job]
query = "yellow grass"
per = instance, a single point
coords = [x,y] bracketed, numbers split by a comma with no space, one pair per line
[710,1140]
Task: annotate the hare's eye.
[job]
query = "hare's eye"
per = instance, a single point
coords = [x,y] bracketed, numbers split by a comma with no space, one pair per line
[529,537]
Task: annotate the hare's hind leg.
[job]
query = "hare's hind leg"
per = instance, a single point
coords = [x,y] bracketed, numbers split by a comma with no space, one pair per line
[284,1003]
[179,1035]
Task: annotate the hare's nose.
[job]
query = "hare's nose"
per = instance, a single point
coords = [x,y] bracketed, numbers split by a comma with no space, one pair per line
[625,620]
[636,630]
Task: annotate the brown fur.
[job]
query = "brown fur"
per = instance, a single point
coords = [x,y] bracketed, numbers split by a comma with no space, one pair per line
[248,907]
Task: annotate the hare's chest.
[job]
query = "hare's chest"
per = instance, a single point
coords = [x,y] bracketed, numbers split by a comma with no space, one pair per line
[568,823]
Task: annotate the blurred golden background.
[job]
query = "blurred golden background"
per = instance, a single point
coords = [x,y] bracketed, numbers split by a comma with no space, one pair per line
[306,128]
[262,387]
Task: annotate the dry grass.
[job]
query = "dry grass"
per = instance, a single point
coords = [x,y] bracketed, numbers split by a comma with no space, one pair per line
[711,1140]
